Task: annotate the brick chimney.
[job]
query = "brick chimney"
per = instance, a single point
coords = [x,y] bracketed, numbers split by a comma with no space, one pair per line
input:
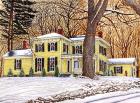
[25,44]
[60,30]
[100,34]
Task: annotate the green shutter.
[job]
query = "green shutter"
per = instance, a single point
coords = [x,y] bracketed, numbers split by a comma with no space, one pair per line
[81,49]
[15,65]
[73,49]
[36,48]
[20,64]
[36,65]
[43,46]
[48,64]
[56,62]
[48,46]
[63,47]
[56,46]
[67,49]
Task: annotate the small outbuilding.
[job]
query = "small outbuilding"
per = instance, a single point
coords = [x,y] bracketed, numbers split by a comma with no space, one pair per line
[17,60]
[123,67]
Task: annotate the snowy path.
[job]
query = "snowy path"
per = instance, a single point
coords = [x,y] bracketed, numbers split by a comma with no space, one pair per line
[116,97]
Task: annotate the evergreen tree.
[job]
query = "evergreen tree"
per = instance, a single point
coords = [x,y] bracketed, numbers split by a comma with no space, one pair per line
[10,73]
[56,74]
[16,18]
[31,72]
[21,74]
[43,72]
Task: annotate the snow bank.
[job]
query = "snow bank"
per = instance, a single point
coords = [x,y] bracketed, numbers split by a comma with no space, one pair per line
[104,85]
[20,90]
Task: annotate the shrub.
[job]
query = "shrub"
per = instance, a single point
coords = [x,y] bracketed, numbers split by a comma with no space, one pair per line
[21,74]
[43,72]
[10,73]
[31,72]
[111,73]
[56,74]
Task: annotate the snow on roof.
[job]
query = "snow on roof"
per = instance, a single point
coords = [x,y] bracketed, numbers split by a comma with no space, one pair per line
[51,35]
[26,52]
[122,60]
[82,37]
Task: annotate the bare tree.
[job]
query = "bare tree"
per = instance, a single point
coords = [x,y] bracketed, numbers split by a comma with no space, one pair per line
[135,4]
[95,13]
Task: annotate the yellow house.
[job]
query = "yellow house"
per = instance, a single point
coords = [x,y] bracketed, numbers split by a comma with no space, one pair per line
[53,51]
[123,67]
[16,60]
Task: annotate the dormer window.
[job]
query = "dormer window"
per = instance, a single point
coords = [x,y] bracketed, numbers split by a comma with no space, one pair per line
[52,46]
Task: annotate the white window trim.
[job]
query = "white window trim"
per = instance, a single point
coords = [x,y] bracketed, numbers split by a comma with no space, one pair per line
[39,68]
[118,67]
[51,69]
[39,47]
[65,52]
[77,64]
[52,49]
[77,51]
[18,63]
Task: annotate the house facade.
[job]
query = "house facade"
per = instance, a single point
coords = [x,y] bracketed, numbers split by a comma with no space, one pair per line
[15,61]
[53,51]
[123,67]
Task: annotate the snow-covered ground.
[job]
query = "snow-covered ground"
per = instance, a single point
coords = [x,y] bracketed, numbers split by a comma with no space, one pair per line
[20,90]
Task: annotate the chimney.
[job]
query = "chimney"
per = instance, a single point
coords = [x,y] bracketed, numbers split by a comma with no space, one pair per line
[100,34]
[25,44]
[60,31]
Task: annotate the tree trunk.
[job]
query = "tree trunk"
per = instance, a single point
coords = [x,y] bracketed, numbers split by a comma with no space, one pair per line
[12,35]
[8,44]
[88,68]
[95,14]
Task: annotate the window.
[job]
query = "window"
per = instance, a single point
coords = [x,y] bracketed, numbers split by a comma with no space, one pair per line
[52,46]
[77,49]
[39,64]
[102,50]
[118,70]
[65,48]
[39,47]
[103,65]
[52,63]
[17,64]
[76,64]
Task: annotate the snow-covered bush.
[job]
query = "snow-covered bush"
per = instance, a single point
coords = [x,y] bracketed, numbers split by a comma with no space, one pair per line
[21,73]
[31,72]
[43,72]
[10,73]
[56,74]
